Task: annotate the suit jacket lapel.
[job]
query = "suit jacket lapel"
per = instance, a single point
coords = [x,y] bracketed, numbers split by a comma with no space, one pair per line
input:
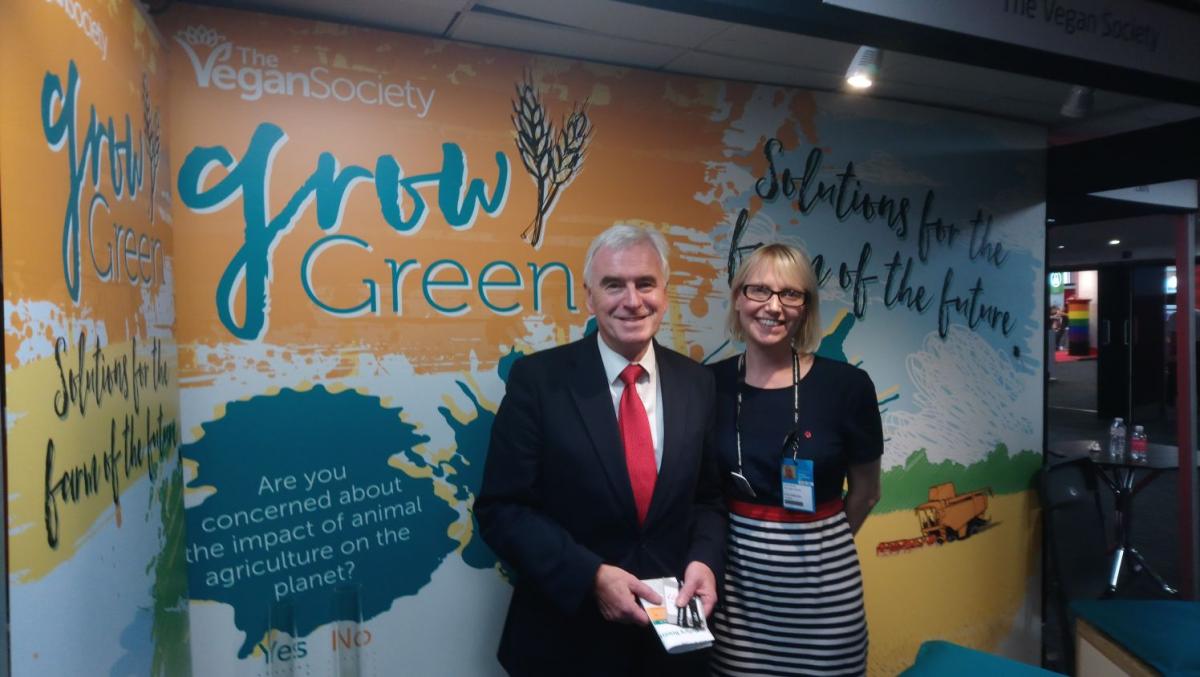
[673,410]
[590,390]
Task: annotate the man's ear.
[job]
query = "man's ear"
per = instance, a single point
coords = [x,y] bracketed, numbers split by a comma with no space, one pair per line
[587,299]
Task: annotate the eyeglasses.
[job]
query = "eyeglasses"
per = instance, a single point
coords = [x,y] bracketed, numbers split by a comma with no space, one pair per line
[791,444]
[793,298]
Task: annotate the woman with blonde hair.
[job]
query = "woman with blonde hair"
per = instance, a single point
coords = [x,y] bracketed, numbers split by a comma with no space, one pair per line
[793,429]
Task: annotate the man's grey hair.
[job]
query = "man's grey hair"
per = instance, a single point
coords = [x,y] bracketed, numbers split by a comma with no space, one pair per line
[624,236]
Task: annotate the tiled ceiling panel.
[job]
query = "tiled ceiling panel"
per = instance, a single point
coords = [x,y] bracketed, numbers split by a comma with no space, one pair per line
[430,17]
[790,49]
[548,38]
[734,68]
[616,19]
[634,35]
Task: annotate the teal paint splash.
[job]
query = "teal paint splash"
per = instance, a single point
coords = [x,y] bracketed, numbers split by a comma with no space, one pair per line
[471,437]
[833,344]
[263,453]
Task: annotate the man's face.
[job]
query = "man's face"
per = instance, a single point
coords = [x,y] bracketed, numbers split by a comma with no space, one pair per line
[628,295]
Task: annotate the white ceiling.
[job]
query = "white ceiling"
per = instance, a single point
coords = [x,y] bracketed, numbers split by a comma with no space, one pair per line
[625,34]
[633,35]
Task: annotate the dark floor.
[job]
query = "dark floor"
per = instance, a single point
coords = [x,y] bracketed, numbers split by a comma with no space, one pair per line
[1070,415]
[1073,387]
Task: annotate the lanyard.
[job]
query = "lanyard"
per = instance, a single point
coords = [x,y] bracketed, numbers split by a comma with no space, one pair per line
[738,476]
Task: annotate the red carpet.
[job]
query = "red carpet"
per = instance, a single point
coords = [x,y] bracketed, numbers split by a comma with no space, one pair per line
[1062,356]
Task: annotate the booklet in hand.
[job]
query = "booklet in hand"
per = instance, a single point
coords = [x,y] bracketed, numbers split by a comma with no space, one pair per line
[679,629]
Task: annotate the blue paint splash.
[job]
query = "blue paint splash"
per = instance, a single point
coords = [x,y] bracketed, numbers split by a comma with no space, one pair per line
[465,470]
[298,433]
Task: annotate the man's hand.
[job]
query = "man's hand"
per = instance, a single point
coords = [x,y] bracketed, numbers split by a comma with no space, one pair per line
[617,591]
[698,580]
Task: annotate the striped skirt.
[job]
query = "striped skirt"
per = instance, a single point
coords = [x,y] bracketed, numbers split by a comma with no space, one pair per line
[793,602]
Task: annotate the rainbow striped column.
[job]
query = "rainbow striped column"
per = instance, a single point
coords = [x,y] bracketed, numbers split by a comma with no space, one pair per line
[1077,327]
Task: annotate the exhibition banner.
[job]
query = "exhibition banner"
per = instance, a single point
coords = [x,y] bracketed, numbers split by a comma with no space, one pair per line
[95,523]
[372,227]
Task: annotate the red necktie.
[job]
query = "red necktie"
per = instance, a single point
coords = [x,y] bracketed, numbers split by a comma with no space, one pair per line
[639,444]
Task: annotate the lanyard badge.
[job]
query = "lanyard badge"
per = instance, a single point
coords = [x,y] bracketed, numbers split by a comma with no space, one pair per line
[738,477]
[796,474]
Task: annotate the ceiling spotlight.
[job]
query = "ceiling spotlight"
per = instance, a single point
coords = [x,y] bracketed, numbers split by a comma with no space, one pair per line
[1061,246]
[864,69]
[1078,103]
[1114,242]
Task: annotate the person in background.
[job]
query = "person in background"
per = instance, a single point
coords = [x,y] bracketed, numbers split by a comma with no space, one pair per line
[792,429]
[601,471]
[1058,323]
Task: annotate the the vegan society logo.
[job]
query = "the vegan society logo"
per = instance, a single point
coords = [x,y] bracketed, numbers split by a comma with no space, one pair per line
[254,74]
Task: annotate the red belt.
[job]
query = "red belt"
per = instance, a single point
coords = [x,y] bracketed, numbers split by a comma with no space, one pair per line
[775,513]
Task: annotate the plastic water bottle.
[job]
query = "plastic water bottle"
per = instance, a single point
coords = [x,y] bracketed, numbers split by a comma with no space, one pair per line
[1116,440]
[1137,445]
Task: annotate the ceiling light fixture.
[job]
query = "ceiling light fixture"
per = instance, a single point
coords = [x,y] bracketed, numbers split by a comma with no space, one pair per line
[1078,103]
[1114,242]
[1061,246]
[864,68]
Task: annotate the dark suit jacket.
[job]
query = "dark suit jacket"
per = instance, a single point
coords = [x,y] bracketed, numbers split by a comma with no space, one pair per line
[556,503]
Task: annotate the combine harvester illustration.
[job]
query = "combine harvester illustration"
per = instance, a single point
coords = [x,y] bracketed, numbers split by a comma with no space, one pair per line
[946,517]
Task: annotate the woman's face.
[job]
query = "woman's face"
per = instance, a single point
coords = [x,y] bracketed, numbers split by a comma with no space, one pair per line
[769,323]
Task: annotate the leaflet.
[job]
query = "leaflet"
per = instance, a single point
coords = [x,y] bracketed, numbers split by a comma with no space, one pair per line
[680,629]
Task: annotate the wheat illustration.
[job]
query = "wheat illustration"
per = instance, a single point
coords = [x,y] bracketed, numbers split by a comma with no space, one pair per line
[552,165]
[152,121]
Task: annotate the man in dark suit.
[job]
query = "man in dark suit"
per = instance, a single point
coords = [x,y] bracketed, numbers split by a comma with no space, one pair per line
[592,484]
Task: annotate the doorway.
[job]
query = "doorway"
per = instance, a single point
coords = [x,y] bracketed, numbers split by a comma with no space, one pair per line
[1113,349]
[1073,345]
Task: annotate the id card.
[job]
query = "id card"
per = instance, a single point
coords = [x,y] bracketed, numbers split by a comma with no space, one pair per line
[798,492]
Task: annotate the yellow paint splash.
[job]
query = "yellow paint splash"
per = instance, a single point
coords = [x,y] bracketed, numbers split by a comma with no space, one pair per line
[969,592]
[80,445]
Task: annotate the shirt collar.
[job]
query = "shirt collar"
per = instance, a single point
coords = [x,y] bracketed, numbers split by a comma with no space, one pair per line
[615,363]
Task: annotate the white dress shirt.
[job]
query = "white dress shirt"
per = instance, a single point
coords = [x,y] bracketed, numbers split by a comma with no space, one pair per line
[648,387]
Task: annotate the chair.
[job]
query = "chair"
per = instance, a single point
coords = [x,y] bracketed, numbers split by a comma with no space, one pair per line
[1138,636]
[1075,542]
[937,658]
